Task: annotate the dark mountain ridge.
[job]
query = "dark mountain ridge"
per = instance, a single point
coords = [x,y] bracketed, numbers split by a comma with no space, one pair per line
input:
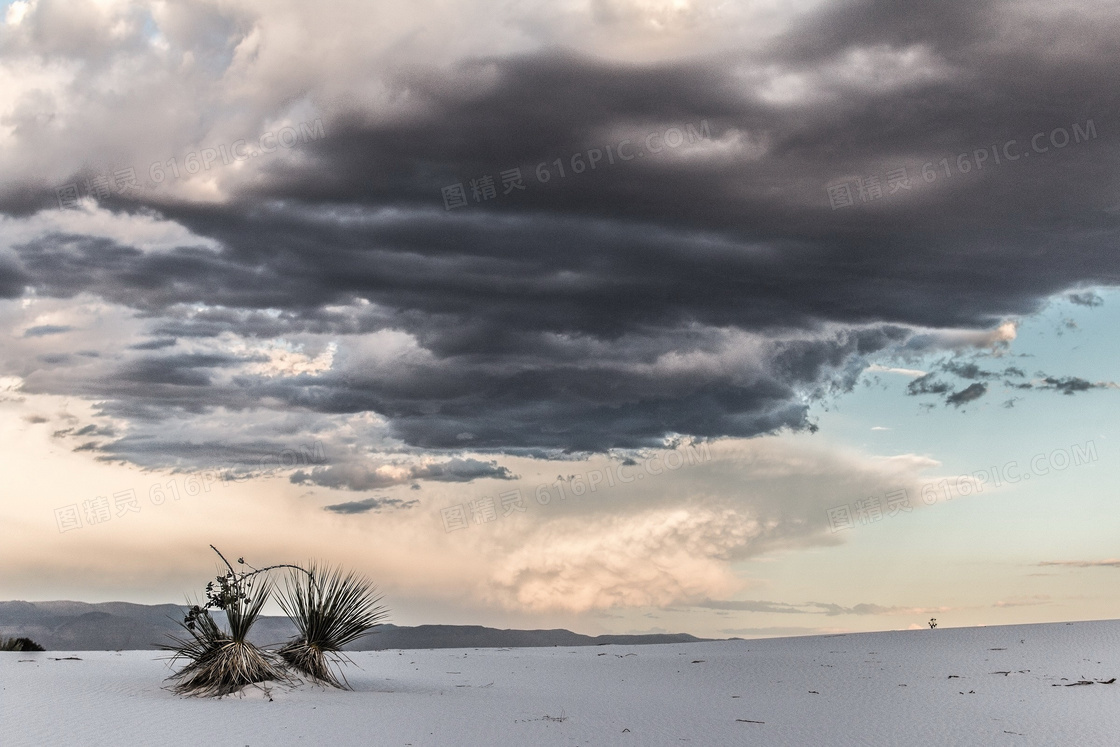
[111,626]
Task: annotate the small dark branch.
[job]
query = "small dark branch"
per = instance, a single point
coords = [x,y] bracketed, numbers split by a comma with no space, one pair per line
[223,557]
[255,571]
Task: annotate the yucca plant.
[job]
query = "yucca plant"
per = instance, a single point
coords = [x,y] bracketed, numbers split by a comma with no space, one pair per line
[221,662]
[330,609]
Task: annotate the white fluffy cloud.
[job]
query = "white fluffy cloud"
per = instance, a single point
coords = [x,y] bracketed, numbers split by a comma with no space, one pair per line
[673,537]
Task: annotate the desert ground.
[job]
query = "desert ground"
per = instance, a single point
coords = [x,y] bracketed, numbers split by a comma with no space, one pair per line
[1045,684]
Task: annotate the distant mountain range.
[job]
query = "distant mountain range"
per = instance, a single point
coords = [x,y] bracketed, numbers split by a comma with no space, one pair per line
[112,626]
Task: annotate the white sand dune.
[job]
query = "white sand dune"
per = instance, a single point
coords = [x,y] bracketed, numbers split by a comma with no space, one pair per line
[1008,685]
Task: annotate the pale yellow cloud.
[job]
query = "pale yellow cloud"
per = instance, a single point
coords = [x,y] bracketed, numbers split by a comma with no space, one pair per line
[674,534]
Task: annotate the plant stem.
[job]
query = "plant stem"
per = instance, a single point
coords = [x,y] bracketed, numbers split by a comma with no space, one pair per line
[258,570]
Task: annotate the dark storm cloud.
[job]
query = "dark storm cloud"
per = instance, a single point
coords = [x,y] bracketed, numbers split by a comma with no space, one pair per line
[370,504]
[1071,384]
[970,393]
[182,370]
[13,279]
[588,312]
[43,330]
[1087,298]
[94,430]
[240,456]
[971,370]
[927,385]
[462,470]
[158,344]
[354,475]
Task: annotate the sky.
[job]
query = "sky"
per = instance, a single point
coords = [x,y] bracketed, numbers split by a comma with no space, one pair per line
[736,319]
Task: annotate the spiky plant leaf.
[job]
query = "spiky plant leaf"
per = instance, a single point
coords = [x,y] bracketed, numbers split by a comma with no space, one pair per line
[217,663]
[330,609]
[221,662]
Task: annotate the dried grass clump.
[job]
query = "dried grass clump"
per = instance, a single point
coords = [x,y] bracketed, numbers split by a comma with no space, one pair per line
[330,609]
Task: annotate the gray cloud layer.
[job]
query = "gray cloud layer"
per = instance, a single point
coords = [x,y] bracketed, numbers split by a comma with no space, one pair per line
[708,289]
[370,504]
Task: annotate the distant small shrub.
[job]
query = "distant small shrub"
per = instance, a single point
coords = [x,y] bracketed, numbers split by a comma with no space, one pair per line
[19,644]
